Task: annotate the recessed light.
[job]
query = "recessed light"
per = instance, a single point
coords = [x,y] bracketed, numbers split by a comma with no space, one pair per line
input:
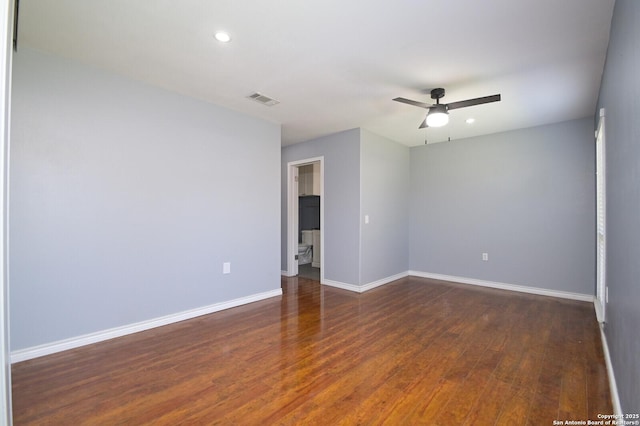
[223,37]
[470,120]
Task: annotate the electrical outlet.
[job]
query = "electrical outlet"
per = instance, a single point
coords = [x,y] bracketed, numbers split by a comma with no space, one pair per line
[226,268]
[485,256]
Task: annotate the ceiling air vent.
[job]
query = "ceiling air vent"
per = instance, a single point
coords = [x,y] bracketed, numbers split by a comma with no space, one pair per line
[264,100]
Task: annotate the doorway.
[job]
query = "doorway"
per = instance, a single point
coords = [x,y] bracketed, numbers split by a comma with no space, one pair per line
[305,218]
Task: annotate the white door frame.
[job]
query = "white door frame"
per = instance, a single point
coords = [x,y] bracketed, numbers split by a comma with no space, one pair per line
[601,221]
[292,215]
[6,42]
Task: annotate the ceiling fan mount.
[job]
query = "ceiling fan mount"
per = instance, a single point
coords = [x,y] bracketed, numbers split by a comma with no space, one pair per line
[438,114]
[437,94]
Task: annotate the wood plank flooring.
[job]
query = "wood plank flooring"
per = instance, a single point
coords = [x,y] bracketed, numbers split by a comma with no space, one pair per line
[415,351]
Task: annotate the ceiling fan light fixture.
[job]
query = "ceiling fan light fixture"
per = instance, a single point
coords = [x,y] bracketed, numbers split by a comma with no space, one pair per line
[437,116]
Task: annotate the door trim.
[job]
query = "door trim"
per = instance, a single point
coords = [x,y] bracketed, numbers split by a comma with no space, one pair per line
[7,23]
[601,221]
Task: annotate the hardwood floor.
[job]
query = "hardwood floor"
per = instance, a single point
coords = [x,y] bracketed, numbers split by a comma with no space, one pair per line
[415,351]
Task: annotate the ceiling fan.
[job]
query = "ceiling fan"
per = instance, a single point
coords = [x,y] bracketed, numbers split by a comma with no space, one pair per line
[438,114]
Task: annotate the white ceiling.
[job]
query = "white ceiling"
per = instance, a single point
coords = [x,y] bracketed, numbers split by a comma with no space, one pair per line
[336,64]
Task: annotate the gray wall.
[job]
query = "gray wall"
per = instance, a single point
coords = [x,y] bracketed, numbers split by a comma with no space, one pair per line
[125,200]
[619,95]
[341,153]
[525,197]
[384,197]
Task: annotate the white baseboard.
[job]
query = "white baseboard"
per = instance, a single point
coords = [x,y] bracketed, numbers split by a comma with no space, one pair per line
[384,281]
[613,387]
[505,286]
[365,287]
[344,286]
[87,339]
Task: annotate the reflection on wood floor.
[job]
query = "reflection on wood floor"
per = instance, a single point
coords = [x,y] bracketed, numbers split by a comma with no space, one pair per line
[415,351]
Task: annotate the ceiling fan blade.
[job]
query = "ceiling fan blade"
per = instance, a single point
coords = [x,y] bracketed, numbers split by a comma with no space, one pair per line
[472,102]
[414,103]
[424,124]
